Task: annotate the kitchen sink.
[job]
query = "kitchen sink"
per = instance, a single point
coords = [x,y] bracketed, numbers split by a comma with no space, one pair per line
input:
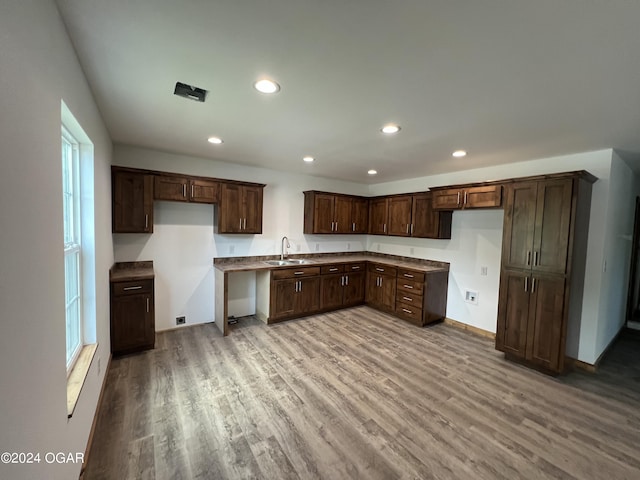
[280,263]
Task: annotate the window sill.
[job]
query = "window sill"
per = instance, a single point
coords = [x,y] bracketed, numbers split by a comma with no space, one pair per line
[78,375]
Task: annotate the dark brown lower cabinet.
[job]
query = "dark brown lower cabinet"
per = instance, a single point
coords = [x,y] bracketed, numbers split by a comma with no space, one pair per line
[340,290]
[132,316]
[294,293]
[531,323]
[381,291]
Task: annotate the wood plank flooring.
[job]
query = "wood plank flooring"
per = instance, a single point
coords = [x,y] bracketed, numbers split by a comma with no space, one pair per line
[357,394]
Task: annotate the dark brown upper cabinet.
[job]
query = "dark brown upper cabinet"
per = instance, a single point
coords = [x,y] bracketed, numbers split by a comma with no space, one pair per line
[413,216]
[537,221]
[458,198]
[185,189]
[378,215]
[132,196]
[334,213]
[240,208]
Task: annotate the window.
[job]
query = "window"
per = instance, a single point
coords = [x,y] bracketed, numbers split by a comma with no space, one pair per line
[72,246]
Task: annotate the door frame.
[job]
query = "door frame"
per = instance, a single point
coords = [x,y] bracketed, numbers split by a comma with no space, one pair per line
[634,281]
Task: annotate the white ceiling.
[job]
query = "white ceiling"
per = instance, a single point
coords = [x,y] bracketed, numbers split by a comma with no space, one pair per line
[507,80]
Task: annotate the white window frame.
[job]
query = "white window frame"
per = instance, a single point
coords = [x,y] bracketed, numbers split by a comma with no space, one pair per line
[72,247]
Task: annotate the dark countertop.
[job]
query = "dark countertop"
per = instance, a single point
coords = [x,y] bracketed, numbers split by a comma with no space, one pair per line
[245,264]
[131,271]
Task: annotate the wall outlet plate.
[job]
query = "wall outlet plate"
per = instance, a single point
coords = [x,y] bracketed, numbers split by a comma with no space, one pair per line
[181,320]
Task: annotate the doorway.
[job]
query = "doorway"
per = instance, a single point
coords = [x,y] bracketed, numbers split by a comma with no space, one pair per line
[633,297]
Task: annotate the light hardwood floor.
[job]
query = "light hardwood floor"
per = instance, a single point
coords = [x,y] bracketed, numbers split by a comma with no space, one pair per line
[359,394]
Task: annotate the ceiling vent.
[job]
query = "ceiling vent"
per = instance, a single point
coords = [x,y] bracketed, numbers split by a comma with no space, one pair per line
[187,91]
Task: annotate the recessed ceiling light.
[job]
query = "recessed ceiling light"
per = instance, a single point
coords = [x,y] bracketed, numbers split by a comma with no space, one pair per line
[390,128]
[372,172]
[215,140]
[459,153]
[308,159]
[264,85]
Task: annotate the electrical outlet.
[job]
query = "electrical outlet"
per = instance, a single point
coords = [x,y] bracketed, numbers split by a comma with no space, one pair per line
[471,297]
[483,271]
[232,249]
[181,320]
[297,247]
[412,251]
[348,246]
[378,246]
[317,247]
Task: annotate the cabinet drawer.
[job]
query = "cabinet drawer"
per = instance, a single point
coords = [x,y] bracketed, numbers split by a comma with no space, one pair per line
[355,267]
[409,298]
[410,286]
[410,312]
[132,288]
[410,275]
[383,269]
[331,269]
[294,272]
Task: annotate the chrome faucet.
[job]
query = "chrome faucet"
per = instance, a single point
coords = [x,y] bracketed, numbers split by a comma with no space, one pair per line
[284,252]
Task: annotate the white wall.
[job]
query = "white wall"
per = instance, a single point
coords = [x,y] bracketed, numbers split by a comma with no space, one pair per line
[38,69]
[185,241]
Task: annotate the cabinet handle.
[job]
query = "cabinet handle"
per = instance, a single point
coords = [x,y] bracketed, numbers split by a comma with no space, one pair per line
[408,299]
[355,268]
[465,197]
[353,227]
[147,304]
[379,269]
[133,288]
[412,229]
[535,259]
[406,311]
[298,273]
[408,275]
[384,228]
[380,281]
[336,226]
[407,229]
[526,283]
[300,285]
[529,257]
[458,202]
[408,286]
[184,189]
[333,269]
[245,223]
[240,227]
[533,285]
[346,280]
[191,191]
[146,220]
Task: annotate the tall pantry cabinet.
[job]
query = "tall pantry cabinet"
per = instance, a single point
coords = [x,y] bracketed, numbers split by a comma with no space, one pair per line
[544,245]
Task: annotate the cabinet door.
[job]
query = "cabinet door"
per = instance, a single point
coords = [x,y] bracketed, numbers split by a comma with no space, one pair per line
[307,299]
[372,294]
[323,213]
[513,312]
[204,191]
[400,216]
[378,216]
[132,325]
[424,220]
[546,325]
[519,225]
[482,197]
[450,199]
[354,288]
[132,195]
[230,211]
[360,215]
[252,209]
[552,226]
[342,214]
[173,189]
[331,290]
[284,294]
[388,292]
